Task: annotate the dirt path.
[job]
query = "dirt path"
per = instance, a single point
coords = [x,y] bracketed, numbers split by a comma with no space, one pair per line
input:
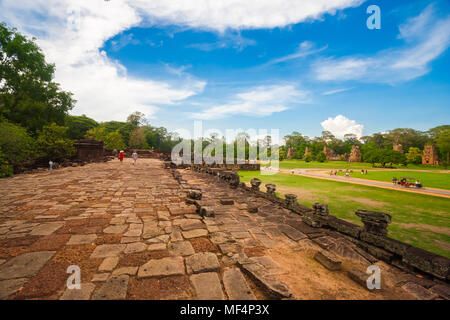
[321,174]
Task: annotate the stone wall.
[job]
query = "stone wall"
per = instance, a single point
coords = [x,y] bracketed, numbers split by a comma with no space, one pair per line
[372,237]
[88,150]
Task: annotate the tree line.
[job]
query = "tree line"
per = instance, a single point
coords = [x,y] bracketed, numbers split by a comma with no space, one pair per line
[35,124]
[376,148]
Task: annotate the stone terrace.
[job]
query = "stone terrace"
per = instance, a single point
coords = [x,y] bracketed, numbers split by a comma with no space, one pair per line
[133,235]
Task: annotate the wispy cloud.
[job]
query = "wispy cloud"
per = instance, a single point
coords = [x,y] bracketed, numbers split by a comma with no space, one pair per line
[330,92]
[425,38]
[339,126]
[259,101]
[229,40]
[306,48]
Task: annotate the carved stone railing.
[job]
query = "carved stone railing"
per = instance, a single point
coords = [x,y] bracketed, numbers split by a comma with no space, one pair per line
[372,237]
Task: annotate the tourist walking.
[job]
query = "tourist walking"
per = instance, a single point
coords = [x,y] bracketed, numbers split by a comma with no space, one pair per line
[121,156]
[134,156]
[50,163]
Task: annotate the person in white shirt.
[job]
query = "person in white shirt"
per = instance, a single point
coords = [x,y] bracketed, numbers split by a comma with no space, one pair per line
[134,156]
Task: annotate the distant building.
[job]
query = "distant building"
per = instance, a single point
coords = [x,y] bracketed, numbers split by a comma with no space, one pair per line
[307,151]
[398,147]
[430,156]
[355,154]
[290,153]
[89,150]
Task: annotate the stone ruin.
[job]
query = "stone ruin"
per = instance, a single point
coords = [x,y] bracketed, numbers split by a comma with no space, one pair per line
[90,150]
[430,156]
[397,147]
[331,154]
[307,151]
[290,153]
[372,237]
[355,155]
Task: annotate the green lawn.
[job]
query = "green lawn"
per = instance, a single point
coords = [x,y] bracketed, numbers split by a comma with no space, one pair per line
[421,220]
[428,179]
[300,164]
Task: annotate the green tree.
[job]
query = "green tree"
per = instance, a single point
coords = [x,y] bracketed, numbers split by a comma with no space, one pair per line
[54,143]
[308,158]
[321,157]
[97,133]
[137,139]
[414,155]
[17,147]
[137,118]
[78,126]
[114,140]
[28,96]
[443,143]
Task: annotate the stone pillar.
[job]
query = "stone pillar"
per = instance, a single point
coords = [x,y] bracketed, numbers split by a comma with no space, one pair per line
[271,189]
[291,200]
[255,182]
[321,209]
[374,222]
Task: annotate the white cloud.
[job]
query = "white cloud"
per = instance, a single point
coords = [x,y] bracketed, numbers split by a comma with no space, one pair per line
[259,101]
[330,92]
[221,15]
[71,34]
[426,38]
[340,126]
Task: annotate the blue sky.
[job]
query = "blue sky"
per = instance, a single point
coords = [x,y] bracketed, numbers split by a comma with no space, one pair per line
[260,64]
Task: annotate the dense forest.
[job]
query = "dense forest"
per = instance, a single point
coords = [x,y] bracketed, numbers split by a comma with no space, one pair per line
[35,124]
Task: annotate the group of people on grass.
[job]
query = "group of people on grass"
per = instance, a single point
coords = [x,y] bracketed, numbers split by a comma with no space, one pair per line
[347,172]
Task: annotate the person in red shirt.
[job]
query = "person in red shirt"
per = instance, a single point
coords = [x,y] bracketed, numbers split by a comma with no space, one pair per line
[121,156]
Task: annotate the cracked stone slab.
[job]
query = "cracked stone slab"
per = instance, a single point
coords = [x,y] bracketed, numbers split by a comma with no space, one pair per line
[181,248]
[131,271]
[100,277]
[25,265]
[108,264]
[46,229]
[135,247]
[84,293]
[116,229]
[202,262]
[113,289]
[196,233]
[9,287]
[419,292]
[260,274]
[108,250]
[268,263]
[82,239]
[162,267]
[236,286]
[207,286]
[292,233]
[157,247]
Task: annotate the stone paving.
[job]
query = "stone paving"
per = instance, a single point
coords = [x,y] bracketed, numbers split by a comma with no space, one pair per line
[133,235]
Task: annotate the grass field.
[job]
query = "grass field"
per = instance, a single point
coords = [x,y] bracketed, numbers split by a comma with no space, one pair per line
[420,220]
[300,164]
[428,179]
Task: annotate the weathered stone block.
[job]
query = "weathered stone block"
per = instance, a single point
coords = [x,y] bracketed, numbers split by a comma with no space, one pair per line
[328,260]
[202,262]
[207,286]
[428,262]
